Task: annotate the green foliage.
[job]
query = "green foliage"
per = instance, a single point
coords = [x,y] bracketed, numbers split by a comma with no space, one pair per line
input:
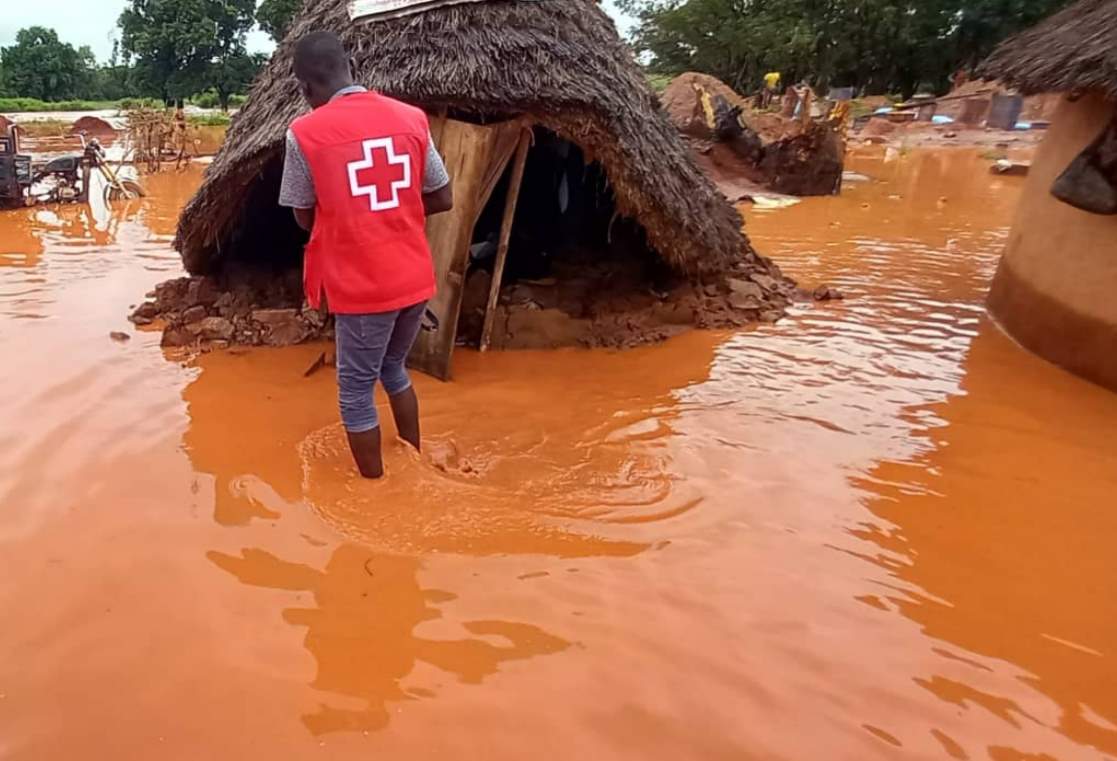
[659,82]
[209,120]
[41,66]
[207,99]
[234,75]
[182,47]
[210,99]
[130,104]
[16,105]
[275,16]
[876,45]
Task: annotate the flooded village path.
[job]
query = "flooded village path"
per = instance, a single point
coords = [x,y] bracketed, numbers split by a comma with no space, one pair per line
[877,529]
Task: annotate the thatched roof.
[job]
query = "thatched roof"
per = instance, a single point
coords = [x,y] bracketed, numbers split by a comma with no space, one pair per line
[1076,49]
[560,62]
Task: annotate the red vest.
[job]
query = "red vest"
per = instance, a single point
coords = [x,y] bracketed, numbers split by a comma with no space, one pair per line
[368,250]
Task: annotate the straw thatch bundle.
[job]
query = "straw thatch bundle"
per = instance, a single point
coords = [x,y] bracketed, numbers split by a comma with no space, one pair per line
[1074,50]
[558,62]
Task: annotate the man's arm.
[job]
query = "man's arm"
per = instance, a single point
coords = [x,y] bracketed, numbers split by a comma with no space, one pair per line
[304,218]
[297,187]
[439,201]
[438,191]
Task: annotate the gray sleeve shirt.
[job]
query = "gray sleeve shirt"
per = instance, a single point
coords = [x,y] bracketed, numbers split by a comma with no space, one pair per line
[297,188]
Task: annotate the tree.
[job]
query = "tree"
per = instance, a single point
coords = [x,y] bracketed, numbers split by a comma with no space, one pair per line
[41,66]
[113,80]
[234,75]
[275,16]
[182,46]
[878,45]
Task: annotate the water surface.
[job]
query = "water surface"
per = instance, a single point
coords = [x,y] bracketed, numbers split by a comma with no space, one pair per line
[877,529]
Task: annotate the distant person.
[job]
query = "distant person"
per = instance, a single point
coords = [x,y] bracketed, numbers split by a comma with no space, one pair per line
[180,136]
[771,88]
[362,174]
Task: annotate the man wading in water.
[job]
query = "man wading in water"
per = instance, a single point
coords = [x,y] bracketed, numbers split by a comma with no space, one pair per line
[362,174]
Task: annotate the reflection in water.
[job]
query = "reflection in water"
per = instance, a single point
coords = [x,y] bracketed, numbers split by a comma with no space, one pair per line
[362,632]
[989,551]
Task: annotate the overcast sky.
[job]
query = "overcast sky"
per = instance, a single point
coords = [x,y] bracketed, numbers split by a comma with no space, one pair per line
[93,22]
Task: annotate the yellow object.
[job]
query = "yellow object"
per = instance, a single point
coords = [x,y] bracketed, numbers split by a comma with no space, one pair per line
[707,107]
[772,80]
[839,117]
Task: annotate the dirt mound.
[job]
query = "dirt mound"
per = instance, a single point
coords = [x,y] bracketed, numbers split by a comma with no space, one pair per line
[92,125]
[683,104]
[736,178]
[808,164]
[877,127]
[1041,107]
[602,304]
[1035,108]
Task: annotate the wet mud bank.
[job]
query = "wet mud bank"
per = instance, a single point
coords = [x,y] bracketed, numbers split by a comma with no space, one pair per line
[603,305]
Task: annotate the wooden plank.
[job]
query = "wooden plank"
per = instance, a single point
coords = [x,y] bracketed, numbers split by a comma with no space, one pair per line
[389,9]
[505,233]
[470,152]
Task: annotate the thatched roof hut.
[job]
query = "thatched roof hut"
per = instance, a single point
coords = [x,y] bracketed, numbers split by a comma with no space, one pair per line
[559,63]
[1073,50]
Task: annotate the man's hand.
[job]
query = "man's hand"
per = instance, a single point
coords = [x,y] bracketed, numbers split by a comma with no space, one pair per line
[305,218]
[440,200]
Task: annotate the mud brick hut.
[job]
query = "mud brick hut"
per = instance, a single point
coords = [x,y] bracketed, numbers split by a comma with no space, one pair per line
[1055,289]
[579,215]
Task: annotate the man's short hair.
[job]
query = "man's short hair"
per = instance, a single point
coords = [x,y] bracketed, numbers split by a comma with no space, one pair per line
[320,57]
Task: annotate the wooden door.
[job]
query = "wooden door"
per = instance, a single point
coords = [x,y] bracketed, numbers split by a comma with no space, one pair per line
[475,157]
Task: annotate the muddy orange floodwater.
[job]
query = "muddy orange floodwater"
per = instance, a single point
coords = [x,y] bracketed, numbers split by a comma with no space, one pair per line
[877,529]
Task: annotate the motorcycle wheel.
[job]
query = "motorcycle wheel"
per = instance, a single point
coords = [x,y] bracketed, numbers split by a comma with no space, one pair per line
[128,189]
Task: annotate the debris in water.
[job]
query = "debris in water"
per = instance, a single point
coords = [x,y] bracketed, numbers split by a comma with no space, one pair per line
[827,293]
[119,335]
[1010,168]
[318,363]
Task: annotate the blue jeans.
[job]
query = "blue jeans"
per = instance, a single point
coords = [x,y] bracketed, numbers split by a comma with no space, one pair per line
[372,347]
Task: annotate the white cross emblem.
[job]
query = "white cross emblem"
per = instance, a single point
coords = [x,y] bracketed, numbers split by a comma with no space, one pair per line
[370,190]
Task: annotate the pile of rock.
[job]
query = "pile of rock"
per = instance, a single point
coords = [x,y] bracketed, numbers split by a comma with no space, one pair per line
[197,311]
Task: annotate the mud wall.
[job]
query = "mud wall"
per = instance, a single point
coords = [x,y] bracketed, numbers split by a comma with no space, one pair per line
[1055,290]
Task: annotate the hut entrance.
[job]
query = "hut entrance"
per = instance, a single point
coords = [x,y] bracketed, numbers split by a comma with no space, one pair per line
[568,253]
[476,157]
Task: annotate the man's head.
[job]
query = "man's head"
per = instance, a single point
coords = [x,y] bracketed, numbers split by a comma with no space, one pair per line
[321,66]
